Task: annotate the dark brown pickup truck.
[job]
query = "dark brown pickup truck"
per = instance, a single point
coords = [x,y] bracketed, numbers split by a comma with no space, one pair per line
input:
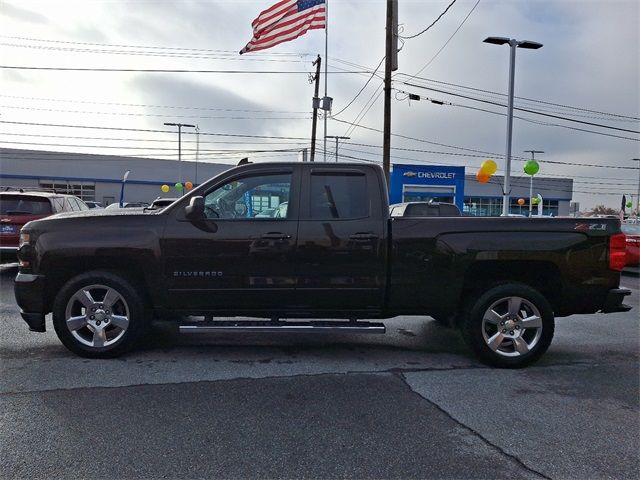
[332,252]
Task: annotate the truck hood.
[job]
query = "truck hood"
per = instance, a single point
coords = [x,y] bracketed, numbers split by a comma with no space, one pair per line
[95,218]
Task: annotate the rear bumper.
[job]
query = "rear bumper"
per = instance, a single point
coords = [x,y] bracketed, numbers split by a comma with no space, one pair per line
[613,302]
[29,292]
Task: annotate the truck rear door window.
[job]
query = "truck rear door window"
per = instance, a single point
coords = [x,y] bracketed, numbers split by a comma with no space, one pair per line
[338,195]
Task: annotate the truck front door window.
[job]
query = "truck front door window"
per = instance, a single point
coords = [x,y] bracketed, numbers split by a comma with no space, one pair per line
[255,197]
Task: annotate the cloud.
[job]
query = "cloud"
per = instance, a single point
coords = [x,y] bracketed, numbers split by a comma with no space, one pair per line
[21,14]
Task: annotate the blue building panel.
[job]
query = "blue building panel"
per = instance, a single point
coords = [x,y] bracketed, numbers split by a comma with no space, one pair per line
[422,182]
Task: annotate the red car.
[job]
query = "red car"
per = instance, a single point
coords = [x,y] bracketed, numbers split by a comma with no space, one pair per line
[632,231]
[19,207]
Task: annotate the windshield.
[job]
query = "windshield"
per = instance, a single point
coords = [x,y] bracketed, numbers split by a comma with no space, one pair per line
[18,205]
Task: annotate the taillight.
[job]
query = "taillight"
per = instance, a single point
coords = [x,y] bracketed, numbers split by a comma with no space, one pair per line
[617,251]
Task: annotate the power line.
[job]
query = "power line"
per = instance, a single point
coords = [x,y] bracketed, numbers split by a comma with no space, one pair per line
[164,70]
[537,122]
[524,109]
[361,90]
[178,107]
[208,117]
[447,42]
[150,130]
[434,22]
[68,42]
[521,98]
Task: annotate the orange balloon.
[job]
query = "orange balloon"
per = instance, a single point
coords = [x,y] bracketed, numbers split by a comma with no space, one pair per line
[482,177]
[188,185]
[521,201]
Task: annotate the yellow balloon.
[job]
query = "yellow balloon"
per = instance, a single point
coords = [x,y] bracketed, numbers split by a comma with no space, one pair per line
[488,167]
[165,188]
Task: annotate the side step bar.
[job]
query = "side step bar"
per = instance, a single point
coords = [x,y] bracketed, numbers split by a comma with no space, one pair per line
[289,327]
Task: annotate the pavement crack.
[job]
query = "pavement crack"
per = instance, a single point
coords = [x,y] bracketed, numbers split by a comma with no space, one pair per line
[513,458]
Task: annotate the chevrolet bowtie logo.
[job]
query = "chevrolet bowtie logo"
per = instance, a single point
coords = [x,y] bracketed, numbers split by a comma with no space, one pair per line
[409,174]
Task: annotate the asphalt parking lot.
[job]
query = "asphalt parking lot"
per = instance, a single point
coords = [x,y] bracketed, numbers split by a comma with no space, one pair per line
[412,403]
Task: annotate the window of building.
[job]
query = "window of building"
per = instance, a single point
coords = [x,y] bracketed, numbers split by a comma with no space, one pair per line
[338,195]
[492,207]
[84,190]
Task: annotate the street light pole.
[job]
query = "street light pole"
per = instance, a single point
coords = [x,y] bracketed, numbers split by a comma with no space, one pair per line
[533,159]
[513,44]
[179,125]
[337,139]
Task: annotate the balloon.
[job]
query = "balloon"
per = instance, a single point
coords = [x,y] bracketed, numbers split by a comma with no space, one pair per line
[482,177]
[535,201]
[531,167]
[188,185]
[629,204]
[488,167]
[165,188]
[178,186]
[521,201]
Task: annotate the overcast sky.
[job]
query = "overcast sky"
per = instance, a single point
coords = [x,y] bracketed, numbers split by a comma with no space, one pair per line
[590,60]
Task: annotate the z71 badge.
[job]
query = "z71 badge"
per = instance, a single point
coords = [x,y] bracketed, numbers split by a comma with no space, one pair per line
[583,227]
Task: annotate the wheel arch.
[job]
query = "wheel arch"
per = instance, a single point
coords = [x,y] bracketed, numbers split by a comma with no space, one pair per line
[542,276]
[131,270]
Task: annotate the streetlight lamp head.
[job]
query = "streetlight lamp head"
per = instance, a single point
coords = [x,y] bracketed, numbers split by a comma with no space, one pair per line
[530,45]
[496,40]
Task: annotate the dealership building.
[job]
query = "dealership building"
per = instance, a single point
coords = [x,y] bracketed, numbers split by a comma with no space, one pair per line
[99,178]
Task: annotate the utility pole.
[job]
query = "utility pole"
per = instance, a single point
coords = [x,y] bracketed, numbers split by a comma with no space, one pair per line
[179,125]
[391,47]
[195,181]
[316,104]
[337,139]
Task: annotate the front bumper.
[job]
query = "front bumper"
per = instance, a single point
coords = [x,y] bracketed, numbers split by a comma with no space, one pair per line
[29,292]
[613,302]
[8,253]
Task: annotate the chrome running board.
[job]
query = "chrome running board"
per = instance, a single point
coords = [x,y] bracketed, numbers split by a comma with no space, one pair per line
[289,327]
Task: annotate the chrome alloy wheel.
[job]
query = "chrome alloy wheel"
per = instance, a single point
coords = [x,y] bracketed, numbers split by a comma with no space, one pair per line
[512,326]
[97,316]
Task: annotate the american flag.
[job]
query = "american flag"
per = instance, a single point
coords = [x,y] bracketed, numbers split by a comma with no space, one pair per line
[284,21]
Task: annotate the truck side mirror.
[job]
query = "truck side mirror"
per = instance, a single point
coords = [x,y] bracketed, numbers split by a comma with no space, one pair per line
[195,209]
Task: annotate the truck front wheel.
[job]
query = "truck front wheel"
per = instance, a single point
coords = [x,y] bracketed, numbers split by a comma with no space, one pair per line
[509,326]
[98,315]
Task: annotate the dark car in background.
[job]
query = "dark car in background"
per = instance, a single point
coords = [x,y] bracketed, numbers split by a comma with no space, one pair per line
[424,209]
[21,206]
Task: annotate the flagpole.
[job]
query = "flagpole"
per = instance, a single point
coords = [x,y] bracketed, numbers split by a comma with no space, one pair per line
[326,69]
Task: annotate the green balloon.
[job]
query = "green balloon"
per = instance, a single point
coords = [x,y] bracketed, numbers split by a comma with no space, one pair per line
[629,204]
[178,186]
[535,201]
[531,167]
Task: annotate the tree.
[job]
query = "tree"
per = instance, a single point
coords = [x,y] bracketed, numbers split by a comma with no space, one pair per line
[602,210]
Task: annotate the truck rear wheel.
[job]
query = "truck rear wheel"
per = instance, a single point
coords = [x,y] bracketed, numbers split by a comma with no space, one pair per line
[99,315]
[509,326]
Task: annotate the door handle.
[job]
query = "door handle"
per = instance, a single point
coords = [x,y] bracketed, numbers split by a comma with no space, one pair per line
[363,236]
[275,236]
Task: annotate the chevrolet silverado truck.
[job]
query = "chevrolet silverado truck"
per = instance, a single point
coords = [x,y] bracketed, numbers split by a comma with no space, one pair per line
[333,259]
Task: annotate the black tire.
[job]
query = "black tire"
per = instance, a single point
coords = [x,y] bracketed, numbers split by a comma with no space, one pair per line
[514,345]
[113,338]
